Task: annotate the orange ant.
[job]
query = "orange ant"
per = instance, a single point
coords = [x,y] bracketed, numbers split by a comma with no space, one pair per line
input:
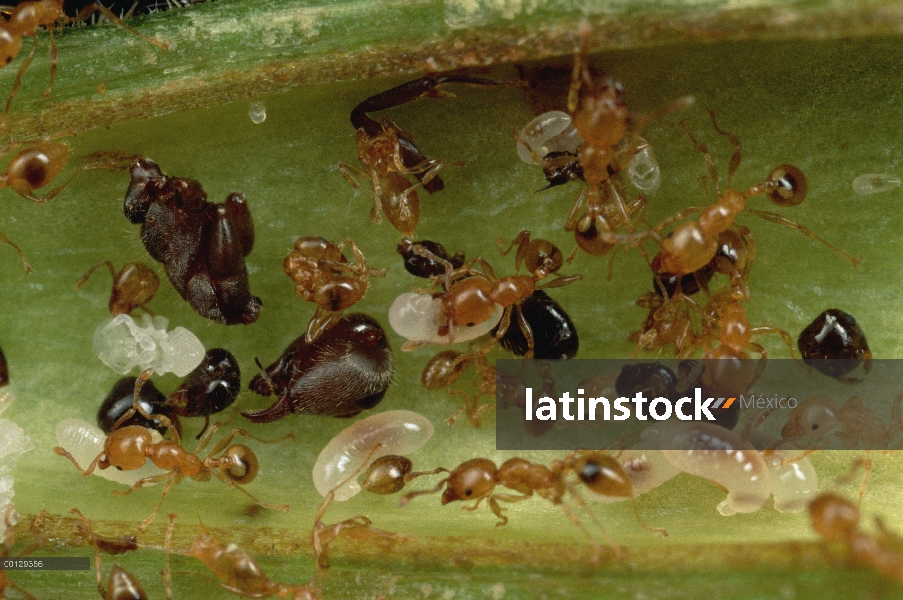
[836,519]
[393,195]
[121,585]
[692,245]
[128,448]
[35,167]
[238,572]
[324,276]
[476,479]
[24,20]
[470,296]
[133,286]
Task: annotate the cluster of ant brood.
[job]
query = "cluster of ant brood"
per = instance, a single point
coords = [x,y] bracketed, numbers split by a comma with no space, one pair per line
[202,246]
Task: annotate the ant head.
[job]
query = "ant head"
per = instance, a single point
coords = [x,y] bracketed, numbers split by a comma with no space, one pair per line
[791,186]
[472,479]
[833,517]
[239,463]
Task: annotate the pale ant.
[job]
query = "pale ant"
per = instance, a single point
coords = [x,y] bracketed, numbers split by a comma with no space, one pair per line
[836,519]
[476,479]
[323,276]
[128,448]
[445,368]
[692,245]
[236,571]
[470,297]
[405,153]
[816,420]
[121,585]
[24,20]
[134,285]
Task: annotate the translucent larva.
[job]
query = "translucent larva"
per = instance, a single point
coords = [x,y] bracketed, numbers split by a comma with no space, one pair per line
[794,482]
[549,132]
[418,318]
[872,183]
[85,441]
[396,431]
[720,455]
[643,169]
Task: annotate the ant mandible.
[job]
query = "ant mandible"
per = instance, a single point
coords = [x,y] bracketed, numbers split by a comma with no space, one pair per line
[128,448]
[25,19]
[324,276]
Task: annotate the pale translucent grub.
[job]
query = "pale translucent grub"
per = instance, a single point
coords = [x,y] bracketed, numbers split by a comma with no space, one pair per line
[643,169]
[258,112]
[396,431]
[418,318]
[122,344]
[873,183]
[549,132]
[794,482]
[85,442]
[13,444]
[713,452]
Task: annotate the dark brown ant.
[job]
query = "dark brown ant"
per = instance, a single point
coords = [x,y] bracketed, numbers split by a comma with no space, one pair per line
[476,479]
[128,448]
[345,371]
[411,157]
[24,20]
[211,388]
[202,245]
[121,585]
[134,285]
[324,276]
[834,344]
[419,265]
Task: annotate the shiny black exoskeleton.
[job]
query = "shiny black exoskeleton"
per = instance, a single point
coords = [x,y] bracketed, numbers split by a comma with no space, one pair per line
[834,344]
[211,388]
[654,380]
[554,334]
[343,372]
[120,400]
[202,245]
[421,266]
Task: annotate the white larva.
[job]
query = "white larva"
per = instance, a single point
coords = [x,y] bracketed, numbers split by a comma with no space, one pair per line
[85,441]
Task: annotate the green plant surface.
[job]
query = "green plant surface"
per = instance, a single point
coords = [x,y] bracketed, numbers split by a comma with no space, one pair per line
[830,107]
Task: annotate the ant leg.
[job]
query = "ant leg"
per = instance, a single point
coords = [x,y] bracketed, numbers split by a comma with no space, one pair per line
[560,281]
[710,164]
[54,61]
[84,278]
[173,477]
[17,82]
[163,420]
[141,482]
[497,510]
[167,572]
[526,330]
[62,452]
[232,484]
[570,224]
[28,268]
[110,16]
[778,219]
[403,501]
[98,565]
[580,71]
[785,337]
[349,172]
[597,551]
[320,322]
[227,439]
[659,530]
[735,157]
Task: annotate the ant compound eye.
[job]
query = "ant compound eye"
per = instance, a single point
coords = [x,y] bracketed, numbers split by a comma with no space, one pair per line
[792,186]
